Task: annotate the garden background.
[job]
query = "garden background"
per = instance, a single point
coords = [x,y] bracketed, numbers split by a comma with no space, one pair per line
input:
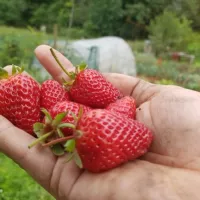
[170,27]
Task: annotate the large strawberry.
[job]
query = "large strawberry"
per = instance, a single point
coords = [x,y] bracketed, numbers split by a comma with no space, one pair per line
[104,140]
[19,99]
[51,93]
[125,106]
[89,87]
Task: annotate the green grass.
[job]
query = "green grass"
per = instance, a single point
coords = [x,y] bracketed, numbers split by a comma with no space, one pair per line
[17,45]
[16,184]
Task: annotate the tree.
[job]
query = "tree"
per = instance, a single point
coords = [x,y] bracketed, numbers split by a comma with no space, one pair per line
[104,17]
[189,9]
[11,12]
[169,31]
[50,13]
[138,14]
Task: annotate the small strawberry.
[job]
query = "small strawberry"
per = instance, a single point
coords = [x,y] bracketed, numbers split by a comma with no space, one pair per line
[51,93]
[72,109]
[59,122]
[125,106]
[104,140]
[89,87]
[19,99]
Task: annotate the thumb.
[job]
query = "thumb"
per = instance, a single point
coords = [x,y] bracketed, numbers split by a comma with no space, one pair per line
[139,89]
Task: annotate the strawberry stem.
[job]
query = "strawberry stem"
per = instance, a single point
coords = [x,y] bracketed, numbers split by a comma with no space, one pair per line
[59,140]
[59,63]
[40,139]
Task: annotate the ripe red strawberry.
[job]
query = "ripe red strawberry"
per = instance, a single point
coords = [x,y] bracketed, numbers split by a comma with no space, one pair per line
[72,109]
[51,93]
[59,122]
[89,87]
[109,140]
[125,106]
[104,140]
[19,99]
[92,89]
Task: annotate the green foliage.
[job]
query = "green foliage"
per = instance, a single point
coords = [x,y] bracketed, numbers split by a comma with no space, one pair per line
[10,51]
[194,46]
[126,18]
[11,12]
[138,14]
[16,46]
[104,17]
[165,82]
[168,72]
[56,12]
[169,31]
[16,184]
[72,33]
[189,9]
[137,46]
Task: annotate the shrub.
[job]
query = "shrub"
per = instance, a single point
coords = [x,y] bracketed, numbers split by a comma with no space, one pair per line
[169,31]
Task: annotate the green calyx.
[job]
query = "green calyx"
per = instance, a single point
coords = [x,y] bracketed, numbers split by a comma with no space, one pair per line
[50,133]
[72,75]
[15,70]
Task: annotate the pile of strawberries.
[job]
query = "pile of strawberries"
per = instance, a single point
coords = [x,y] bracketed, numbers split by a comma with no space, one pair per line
[87,117]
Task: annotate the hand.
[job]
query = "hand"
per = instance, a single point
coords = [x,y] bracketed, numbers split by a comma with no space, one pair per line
[170,171]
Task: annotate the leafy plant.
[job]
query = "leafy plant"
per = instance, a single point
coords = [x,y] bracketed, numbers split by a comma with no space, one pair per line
[168,32]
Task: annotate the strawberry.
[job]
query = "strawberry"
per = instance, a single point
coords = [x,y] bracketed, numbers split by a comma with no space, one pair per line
[89,87]
[125,106]
[19,99]
[72,109]
[51,93]
[59,122]
[103,140]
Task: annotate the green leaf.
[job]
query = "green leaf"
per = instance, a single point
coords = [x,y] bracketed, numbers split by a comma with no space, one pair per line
[66,125]
[38,128]
[21,69]
[77,159]
[59,117]
[72,75]
[3,73]
[48,118]
[70,145]
[82,66]
[60,133]
[14,69]
[70,156]
[40,139]
[57,150]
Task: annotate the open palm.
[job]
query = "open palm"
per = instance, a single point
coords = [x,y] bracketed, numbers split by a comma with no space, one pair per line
[171,170]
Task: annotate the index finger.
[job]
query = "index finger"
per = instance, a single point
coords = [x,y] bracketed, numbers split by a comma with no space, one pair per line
[45,57]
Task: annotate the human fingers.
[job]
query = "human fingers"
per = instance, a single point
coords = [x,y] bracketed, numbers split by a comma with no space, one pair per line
[45,57]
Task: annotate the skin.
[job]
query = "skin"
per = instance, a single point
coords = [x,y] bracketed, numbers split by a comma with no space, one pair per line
[169,171]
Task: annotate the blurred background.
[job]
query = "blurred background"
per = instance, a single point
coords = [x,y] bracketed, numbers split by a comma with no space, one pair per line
[157,40]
